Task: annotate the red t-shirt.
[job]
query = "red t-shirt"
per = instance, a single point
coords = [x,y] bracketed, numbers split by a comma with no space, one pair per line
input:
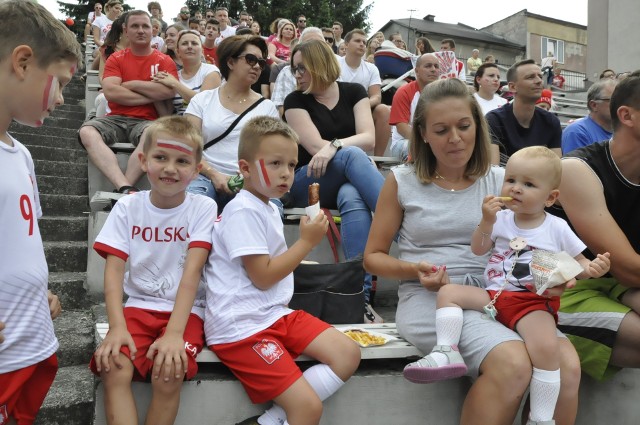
[129,67]
[210,55]
[401,104]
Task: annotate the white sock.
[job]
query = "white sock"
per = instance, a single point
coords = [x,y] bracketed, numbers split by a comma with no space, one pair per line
[448,330]
[544,390]
[323,381]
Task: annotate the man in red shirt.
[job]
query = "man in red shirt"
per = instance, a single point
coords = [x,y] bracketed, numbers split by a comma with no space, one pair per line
[133,95]
[211,33]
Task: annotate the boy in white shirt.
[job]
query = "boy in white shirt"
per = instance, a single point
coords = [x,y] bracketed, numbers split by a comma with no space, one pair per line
[165,233]
[38,58]
[250,282]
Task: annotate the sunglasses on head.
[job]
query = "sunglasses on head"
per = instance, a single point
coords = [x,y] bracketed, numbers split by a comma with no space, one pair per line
[252,60]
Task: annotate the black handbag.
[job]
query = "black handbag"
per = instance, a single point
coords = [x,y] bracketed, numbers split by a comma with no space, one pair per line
[332,292]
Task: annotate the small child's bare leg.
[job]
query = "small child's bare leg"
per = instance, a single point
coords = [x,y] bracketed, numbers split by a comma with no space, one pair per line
[165,401]
[301,404]
[119,404]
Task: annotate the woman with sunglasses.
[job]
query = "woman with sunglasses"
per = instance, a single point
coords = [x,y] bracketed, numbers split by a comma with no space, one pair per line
[241,60]
[334,122]
[195,76]
[279,47]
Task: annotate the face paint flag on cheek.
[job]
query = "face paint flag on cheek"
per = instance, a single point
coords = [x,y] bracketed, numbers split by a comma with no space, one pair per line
[49,94]
[262,173]
[172,144]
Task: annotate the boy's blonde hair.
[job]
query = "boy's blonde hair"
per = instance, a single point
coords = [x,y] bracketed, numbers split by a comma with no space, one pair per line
[422,157]
[28,23]
[256,129]
[320,63]
[177,126]
[552,162]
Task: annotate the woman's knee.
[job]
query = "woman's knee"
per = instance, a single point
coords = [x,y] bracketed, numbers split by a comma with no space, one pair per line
[349,199]
[508,365]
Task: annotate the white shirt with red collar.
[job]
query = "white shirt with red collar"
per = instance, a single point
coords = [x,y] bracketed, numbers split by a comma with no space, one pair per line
[156,241]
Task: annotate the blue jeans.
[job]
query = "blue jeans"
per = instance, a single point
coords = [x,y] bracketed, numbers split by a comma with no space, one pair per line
[351,184]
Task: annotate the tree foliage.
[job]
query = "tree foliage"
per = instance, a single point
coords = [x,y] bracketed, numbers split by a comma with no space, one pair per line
[319,13]
[79,11]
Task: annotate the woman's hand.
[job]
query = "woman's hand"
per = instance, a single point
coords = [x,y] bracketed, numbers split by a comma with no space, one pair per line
[166,79]
[318,164]
[432,277]
[220,182]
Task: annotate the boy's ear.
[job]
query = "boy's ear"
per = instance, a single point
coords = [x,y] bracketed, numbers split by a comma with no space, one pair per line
[553,197]
[21,57]
[143,161]
[243,164]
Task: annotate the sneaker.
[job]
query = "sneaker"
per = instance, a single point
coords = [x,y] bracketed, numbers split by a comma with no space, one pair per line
[370,315]
[427,370]
[250,421]
[551,422]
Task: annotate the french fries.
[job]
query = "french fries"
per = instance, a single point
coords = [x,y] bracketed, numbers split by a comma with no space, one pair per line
[364,338]
[505,198]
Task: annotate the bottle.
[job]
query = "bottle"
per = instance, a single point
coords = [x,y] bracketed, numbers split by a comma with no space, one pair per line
[235,183]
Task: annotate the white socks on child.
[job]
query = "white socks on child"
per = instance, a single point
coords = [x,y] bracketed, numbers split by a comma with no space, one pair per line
[545,387]
[323,381]
[448,330]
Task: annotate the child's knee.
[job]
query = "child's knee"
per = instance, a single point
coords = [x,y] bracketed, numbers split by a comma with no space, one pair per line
[167,389]
[307,405]
[118,376]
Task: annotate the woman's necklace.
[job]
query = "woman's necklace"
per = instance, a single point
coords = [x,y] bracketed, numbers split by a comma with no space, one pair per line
[239,101]
[439,177]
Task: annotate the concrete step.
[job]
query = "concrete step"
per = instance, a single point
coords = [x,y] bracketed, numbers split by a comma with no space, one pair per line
[29,140]
[45,130]
[57,205]
[66,256]
[79,107]
[70,288]
[70,400]
[45,167]
[62,185]
[76,334]
[63,228]
[69,114]
[77,156]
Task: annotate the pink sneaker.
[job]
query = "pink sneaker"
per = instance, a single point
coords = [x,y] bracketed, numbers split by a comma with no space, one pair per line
[426,370]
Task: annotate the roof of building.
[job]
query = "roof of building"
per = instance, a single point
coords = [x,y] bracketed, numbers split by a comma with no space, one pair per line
[428,25]
[526,13]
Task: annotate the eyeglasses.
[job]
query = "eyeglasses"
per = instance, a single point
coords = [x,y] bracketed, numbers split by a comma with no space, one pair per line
[184,12]
[300,69]
[329,39]
[302,20]
[252,60]
[209,16]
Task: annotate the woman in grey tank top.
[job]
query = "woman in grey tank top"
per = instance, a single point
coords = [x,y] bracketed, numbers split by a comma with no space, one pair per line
[433,204]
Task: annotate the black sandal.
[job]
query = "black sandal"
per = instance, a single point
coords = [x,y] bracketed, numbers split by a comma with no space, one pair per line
[125,190]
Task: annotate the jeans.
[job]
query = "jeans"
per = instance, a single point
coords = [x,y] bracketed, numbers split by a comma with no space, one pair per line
[351,184]
[203,186]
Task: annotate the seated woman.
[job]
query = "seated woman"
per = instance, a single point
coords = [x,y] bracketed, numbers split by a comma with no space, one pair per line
[222,112]
[432,206]
[279,47]
[171,43]
[195,76]
[487,83]
[333,120]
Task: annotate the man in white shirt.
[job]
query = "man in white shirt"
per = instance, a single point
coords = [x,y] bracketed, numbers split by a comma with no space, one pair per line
[357,70]
[337,32]
[226,30]
[449,45]
[97,12]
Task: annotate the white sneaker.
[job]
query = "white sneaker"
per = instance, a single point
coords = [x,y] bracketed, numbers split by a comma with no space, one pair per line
[370,315]
[551,422]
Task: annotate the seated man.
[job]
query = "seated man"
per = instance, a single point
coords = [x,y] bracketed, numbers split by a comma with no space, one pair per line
[131,93]
[356,70]
[405,101]
[596,126]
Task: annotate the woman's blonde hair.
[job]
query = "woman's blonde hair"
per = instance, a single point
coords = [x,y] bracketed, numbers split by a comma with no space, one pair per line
[320,62]
[422,157]
[283,23]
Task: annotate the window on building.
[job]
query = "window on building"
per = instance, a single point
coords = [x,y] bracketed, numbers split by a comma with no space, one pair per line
[554,46]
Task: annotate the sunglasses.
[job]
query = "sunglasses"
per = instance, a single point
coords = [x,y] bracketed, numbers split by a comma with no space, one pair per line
[300,69]
[209,16]
[302,20]
[328,39]
[252,60]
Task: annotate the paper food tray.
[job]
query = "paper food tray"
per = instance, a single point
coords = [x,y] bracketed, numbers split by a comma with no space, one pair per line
[385,337]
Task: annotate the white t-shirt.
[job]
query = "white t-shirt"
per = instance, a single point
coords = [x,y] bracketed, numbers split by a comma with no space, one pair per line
[396,137]
[227,32]
[236,309]
[554,235]
[366,74]
[104,24]
[194,83]
[156,241]
[490,105]
[223,156]
[24,308]
[157,42]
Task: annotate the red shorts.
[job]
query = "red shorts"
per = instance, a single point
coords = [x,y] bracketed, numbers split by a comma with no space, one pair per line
[145,326]
[265,362]
[23,391]
[513,306]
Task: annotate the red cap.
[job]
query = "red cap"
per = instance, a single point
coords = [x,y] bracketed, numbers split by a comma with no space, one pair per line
[546,97]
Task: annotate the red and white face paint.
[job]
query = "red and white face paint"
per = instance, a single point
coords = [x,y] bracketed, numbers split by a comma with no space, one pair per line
[262,173]
[172,144]
[49,94]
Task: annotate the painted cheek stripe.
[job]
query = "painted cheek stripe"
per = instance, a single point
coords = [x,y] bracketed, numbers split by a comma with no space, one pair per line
[172,144]
[49,94]
[264,177]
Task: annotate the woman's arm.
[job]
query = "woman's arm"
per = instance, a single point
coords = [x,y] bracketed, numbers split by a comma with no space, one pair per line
[211,81]
[272,53]
[365,136]
[585,206]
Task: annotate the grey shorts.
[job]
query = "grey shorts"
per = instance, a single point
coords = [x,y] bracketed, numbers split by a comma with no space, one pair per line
[119,129]
[416,318]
